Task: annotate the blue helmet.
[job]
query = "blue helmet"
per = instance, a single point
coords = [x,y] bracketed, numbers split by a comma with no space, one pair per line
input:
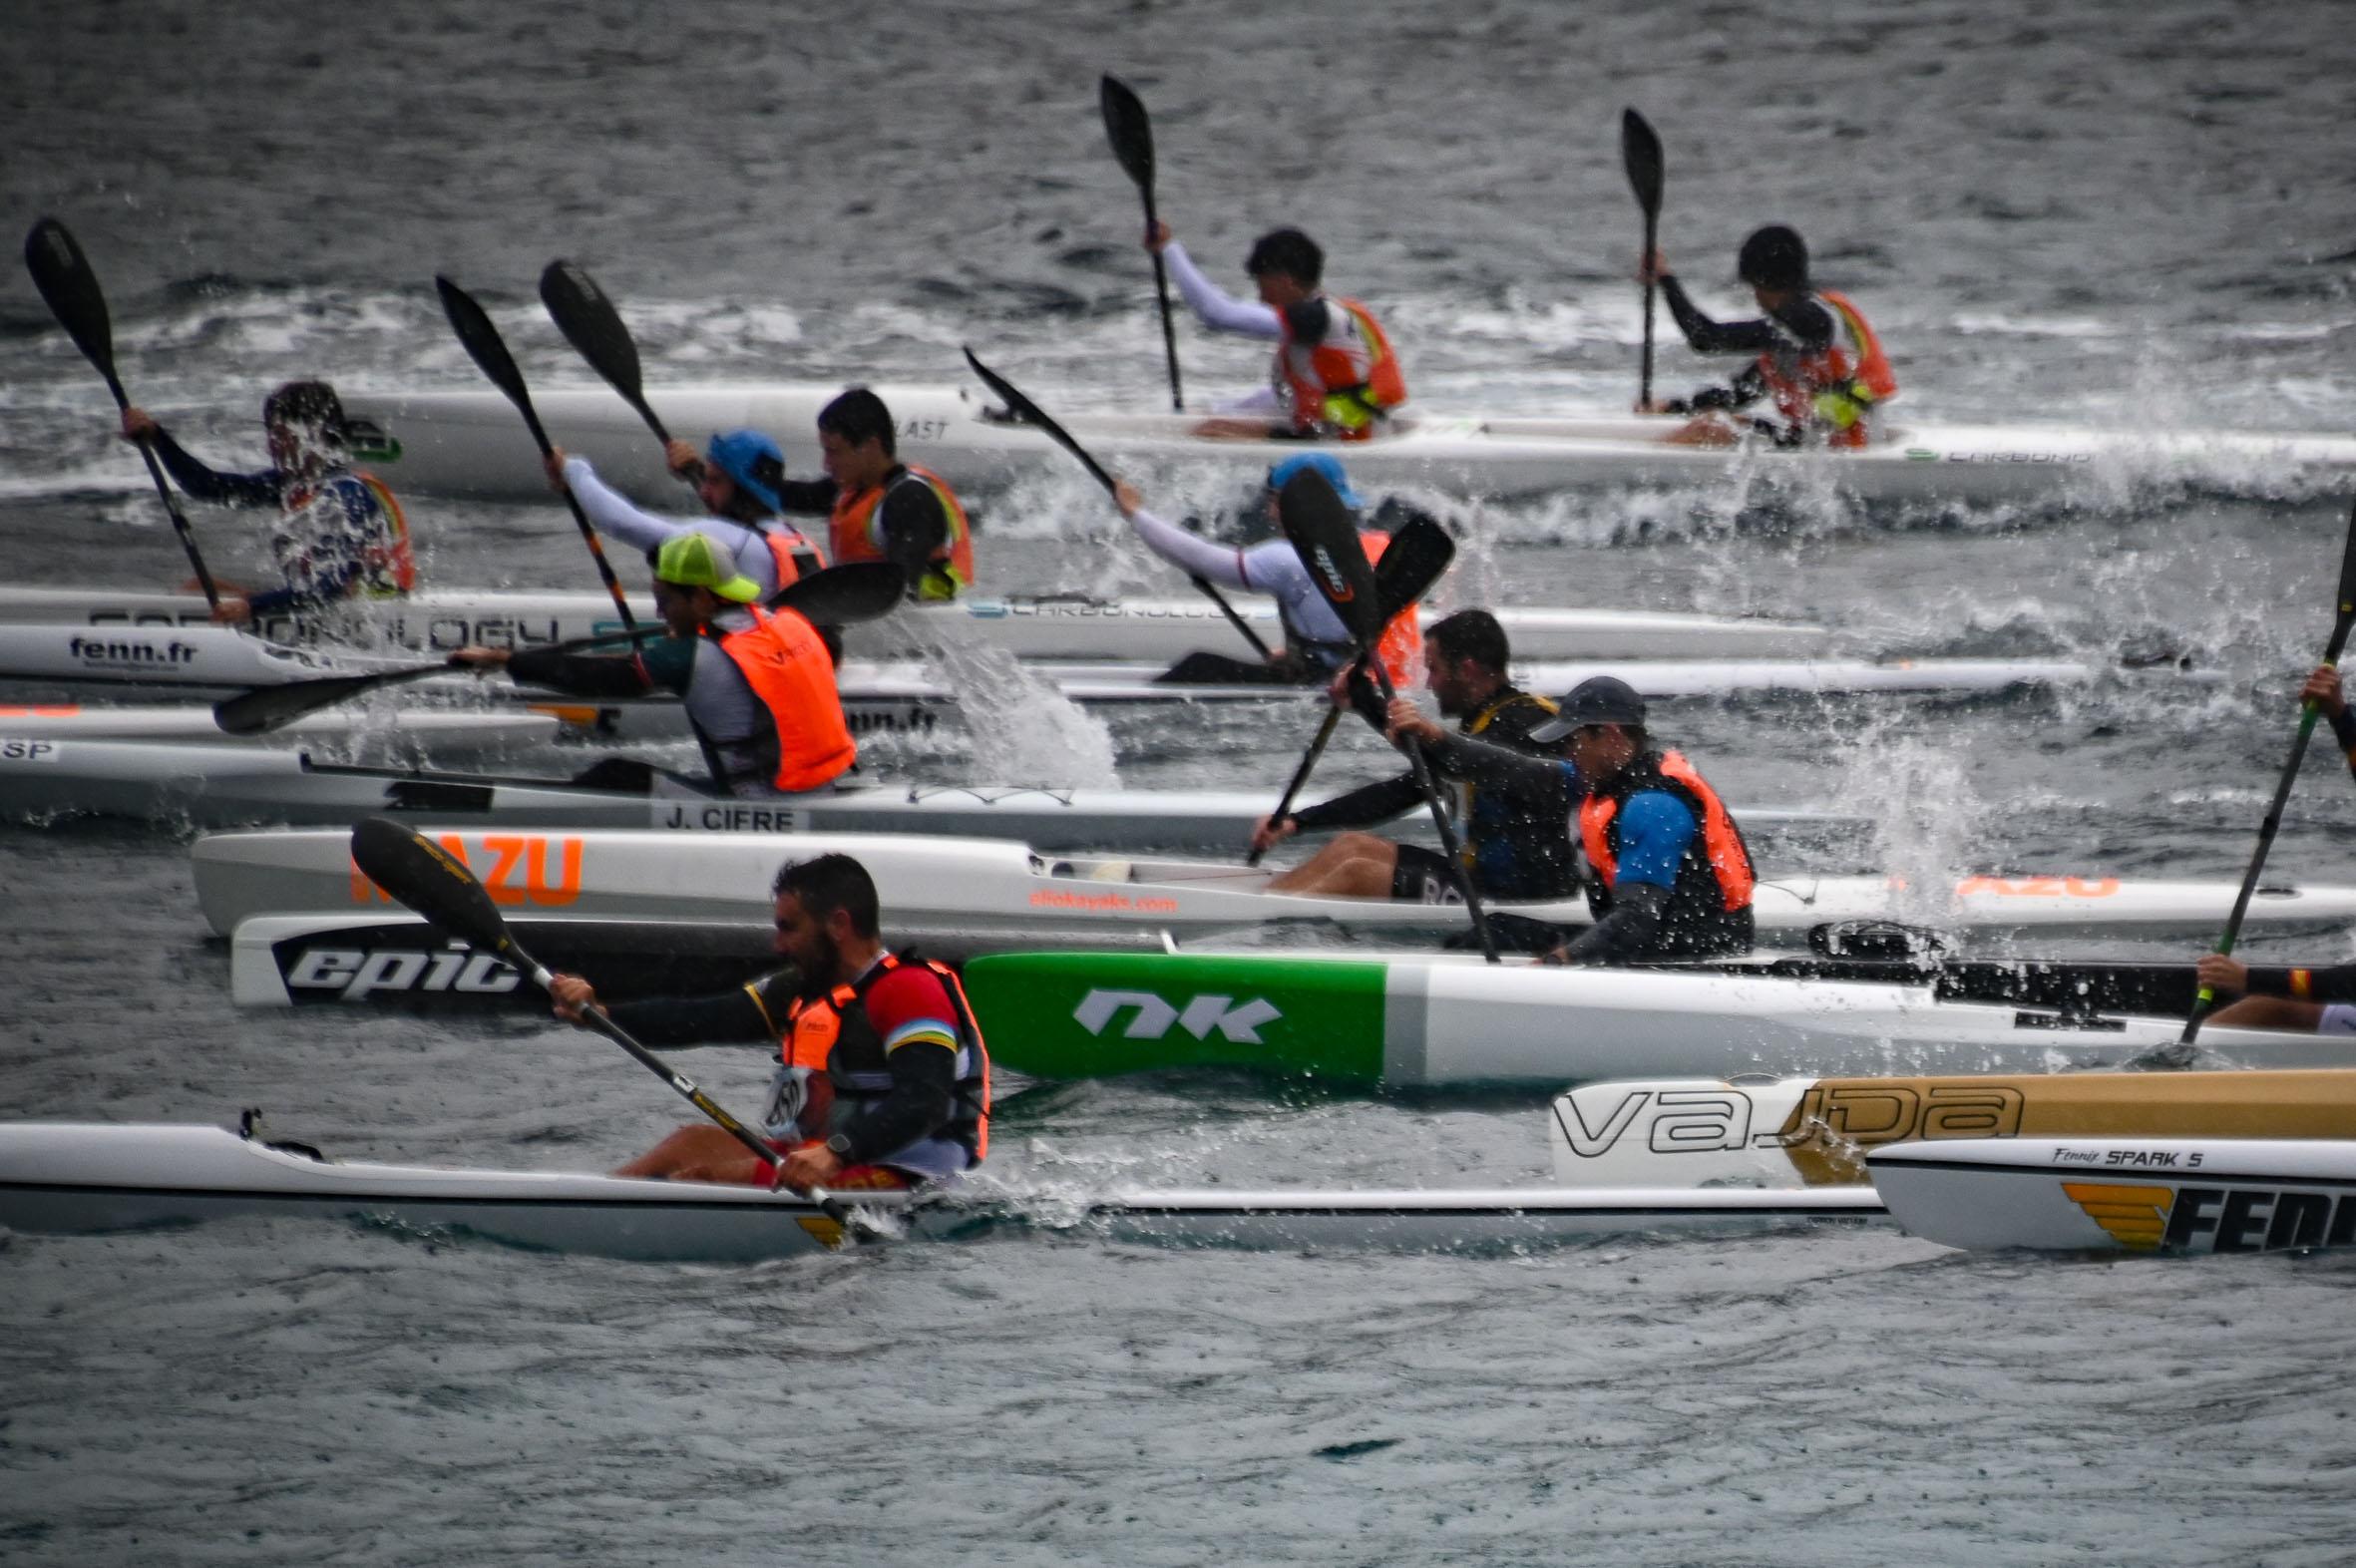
[1324,462]
[740,455]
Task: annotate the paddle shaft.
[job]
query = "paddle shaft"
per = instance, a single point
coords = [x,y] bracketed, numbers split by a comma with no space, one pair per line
[1651,235]
[1317,749]
[1031,413]
[1421,765]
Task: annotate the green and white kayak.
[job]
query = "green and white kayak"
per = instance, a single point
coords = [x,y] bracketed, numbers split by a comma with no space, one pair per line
[1457,1020]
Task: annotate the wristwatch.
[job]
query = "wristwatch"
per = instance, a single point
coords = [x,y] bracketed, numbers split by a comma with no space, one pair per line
[839,1146]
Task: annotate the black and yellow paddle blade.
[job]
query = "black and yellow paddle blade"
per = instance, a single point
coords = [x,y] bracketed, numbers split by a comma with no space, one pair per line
[430,881]
[1324,533]
[1420,551]
[487,348]
[594,328]
[1640,149]
[1128,129]
[844,596]
[64,276]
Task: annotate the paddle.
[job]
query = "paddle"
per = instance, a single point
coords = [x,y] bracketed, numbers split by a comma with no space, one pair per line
[1640,149]
[1030,413]
[437,885]
[64,276]
[1418,552]
[593,327]
[837,597]
[489,352]
[1131,134]
[1325,534]
[2180,1053]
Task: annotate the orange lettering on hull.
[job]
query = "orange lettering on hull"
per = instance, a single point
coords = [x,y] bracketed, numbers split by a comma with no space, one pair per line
[514,869]
[2038,886]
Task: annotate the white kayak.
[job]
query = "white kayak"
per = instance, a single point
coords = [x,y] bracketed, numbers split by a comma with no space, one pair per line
[192,722]
[2172,1196]
[1817,1131]
[188,660]
[469,443]
[93,1177]
[1014,895]
[1049,626]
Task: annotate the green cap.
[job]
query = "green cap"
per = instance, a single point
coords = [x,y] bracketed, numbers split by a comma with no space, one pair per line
[693,560]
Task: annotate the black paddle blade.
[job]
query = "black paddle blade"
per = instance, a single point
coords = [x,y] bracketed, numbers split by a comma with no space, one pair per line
[1324,533]
[1030,413]
[593,327]
[1420,551]
[1129,130]
[65,280]
[1640,149]
[266,708]
[483,345]
[844,596]
[429,880]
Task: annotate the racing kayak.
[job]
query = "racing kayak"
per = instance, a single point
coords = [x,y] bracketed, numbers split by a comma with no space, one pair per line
[2177,1196]
[93,1177]
[1817,1131]
[466,443]
[444,728]
[188,660]
[1059,627]
[235,786]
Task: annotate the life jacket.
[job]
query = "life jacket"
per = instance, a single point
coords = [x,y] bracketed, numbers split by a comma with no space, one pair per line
[797,556]
[1710,903]
[1488,831]
[830,1038]
[786,662]
[1833,389]
[1399,648]
[1344,385]
[856,531]
[388,564]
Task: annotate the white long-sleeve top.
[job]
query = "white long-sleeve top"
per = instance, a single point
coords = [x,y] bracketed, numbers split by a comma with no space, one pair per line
[1273,567]
[615,517]
[1222,311]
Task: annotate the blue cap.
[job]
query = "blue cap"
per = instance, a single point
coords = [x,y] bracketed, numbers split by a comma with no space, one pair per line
[1325,463]
[736,453]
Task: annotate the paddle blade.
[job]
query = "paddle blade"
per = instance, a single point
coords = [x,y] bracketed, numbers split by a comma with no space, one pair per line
[593,327]
[266,708]
[483,343]
[1640,149]
[1129,130]
[1420,551]
[844,596]
[65,280]
[1324,533]
[1030,413]
[431,881]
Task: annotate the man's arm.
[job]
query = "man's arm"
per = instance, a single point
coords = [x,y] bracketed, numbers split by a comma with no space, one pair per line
[208,485]
[1655,830]
[912,1012]
[665,664]
[1213,307]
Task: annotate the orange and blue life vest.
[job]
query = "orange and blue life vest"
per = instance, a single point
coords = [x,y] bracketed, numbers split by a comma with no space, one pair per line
[1710,902]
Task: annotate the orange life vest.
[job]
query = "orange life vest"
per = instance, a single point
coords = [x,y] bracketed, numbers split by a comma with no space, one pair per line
[831,1036]
[856,531]
[796,554]
[786,663]
[1835,388]
[1724,852]
[1401,648]
[1344,385]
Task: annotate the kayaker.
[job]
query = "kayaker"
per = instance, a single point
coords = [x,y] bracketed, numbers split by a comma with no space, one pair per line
[881,1081]
[1819,364]
[1669,875]
[1335,377]
[881,509]
[1515,841]
[737,477]
[1316,643]
[2302,1001]
[759,686]
[339,534]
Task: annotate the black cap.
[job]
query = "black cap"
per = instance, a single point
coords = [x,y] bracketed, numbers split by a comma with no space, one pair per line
[1773,257]
[1599,700]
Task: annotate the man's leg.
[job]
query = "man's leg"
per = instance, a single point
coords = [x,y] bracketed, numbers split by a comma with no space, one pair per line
[1353,866]
[698,1151]
[2269,1013]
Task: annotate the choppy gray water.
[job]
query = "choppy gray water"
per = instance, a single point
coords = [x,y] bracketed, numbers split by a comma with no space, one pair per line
[2100,214]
